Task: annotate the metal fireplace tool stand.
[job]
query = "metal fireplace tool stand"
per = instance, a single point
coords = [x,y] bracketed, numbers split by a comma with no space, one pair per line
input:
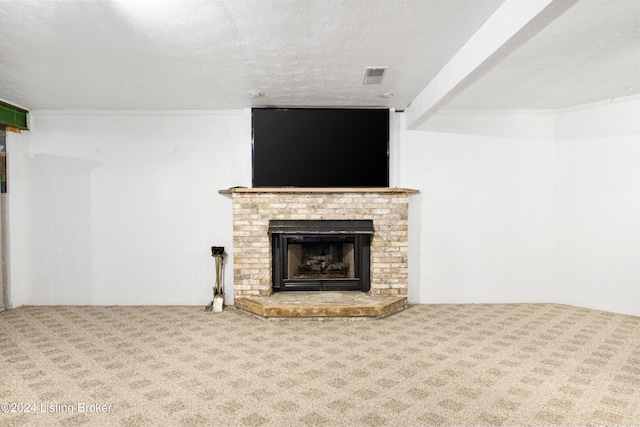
[217,252]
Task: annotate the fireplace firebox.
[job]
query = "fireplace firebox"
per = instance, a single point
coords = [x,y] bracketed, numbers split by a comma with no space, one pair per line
[321,255]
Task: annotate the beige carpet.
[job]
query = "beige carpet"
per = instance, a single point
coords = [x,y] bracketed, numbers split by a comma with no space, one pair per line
[515,364]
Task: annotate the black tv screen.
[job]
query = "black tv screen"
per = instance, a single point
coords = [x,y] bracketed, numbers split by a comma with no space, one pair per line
[320,147]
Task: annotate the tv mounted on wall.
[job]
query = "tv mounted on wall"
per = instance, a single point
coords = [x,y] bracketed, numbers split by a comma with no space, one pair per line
[320,147]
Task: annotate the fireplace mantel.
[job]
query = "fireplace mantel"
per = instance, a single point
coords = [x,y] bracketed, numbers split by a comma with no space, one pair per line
[312,190]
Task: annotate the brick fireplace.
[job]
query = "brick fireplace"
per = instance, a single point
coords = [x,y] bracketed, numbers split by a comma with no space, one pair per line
[254,208]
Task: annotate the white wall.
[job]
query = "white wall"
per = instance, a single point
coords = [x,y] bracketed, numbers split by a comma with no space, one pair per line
[527,207]
[598,207]
[122,208]
[486,209]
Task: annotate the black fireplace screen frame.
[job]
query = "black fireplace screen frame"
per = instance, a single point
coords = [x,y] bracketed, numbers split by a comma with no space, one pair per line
[286,232]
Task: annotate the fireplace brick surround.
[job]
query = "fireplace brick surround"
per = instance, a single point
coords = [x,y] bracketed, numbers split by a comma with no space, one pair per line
[254,207]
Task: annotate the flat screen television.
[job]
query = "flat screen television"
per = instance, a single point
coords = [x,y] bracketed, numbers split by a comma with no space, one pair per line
[320,147]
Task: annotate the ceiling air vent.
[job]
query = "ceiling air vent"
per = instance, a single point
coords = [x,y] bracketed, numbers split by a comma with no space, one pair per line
[373,75]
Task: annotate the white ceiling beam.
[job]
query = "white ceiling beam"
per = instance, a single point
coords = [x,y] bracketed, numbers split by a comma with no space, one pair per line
[513,23]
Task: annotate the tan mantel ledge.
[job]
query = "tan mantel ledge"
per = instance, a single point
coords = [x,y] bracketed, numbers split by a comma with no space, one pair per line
[272,190]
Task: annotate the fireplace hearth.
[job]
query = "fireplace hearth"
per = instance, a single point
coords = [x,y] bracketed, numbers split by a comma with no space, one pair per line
[321,255]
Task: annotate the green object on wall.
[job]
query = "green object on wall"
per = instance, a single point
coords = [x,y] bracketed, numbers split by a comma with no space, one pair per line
[13,116]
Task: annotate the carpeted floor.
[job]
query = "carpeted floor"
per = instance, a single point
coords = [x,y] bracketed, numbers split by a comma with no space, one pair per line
[483,364]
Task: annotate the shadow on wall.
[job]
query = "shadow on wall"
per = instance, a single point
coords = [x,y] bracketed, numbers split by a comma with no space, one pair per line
[539,126]
[415,249]
[59,255]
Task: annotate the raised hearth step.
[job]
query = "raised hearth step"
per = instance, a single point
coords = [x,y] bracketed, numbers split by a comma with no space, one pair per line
[337,304]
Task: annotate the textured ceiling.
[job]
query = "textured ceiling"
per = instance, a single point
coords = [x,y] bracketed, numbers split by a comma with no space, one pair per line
[590,53]
[209,55]
[136,54]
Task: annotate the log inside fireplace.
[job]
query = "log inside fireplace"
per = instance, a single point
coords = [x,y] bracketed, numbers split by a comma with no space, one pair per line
[321,255]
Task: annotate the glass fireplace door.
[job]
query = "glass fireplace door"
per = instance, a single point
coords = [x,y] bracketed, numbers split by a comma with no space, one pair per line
[321,262]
